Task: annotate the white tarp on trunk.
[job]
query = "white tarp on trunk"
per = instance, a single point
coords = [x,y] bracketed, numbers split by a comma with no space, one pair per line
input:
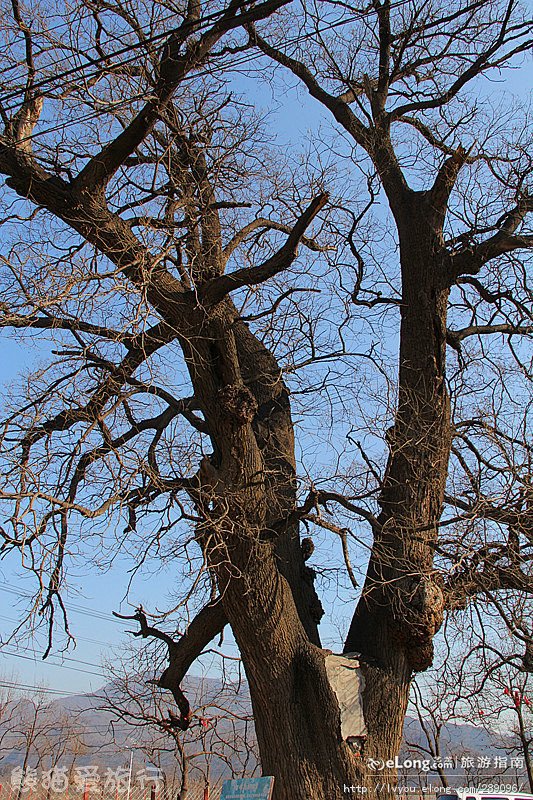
[347,681]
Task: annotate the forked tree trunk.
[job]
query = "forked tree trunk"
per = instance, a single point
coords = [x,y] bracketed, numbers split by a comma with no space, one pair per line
[269,604]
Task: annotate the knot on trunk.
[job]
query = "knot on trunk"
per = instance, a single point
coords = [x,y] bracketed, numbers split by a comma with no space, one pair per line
[419,613]
[316,610]
[527,658]
[238,402]
[308,547]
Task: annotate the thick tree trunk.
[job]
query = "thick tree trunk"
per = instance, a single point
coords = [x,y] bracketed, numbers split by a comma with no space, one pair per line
[296,714]
[254,551]
[401,606]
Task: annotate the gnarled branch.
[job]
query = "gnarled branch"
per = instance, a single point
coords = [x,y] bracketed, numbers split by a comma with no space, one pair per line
[182,652]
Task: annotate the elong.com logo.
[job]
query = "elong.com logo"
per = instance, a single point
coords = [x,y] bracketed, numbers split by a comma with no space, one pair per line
[425,764]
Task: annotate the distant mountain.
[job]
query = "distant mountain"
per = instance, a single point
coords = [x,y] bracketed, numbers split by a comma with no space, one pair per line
[468,737]
[477,755]
[221,736]
[218,740]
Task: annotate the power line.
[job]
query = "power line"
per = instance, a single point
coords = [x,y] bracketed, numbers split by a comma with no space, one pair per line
[29,687]
[72,608]
[53,690]
[91,115]
[156,37]
[48,30]
[236,63]
[36,651]
[52,663]
[4,587]
[91,62]
[65,26]
[13,621]
[94,114]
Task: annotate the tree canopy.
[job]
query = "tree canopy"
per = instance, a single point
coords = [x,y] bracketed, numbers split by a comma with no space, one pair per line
[247,344]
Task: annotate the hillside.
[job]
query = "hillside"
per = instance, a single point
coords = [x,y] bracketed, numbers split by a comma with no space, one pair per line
[220,738]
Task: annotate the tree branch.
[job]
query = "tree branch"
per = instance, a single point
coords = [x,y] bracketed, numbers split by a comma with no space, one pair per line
[243,234]
[320,497]
[14,320]
[182,652]
[505,240]
[173,68]
[430,137]
[471,260]
[476,330]
[439,194]
[216,289]
[155,338]
[90,217]
[343,534]
[478,66]
[374,140]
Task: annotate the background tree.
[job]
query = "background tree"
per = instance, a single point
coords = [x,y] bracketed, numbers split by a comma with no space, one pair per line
[8,704]
[219,740]
[39,737]
[148,232]
[484,687]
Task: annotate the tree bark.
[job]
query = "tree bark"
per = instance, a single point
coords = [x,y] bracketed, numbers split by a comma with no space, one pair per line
[402,603]
[296,714]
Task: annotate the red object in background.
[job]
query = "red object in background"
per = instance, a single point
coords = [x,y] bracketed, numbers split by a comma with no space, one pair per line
[206,792]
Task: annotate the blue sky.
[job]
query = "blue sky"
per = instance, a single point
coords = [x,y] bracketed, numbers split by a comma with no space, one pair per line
[91,598]
[95,595]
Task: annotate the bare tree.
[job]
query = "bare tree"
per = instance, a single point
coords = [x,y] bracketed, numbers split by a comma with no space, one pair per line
[34,733]
[146,238]
[219,739]
[64,739]
[41,734]
[8,706]
[494,695]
